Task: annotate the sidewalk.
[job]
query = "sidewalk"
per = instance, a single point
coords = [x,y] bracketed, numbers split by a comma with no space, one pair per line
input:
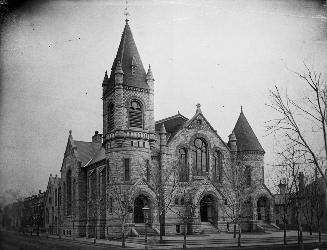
[198,241]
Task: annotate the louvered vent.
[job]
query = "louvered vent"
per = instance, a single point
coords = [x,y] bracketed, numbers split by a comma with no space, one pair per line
[111,117]
[135,115]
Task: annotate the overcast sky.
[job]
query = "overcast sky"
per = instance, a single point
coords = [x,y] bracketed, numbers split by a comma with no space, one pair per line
[222,54]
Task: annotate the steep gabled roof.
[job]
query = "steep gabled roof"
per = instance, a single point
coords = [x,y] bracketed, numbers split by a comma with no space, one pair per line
[246,138]
[85,151]
[172,124]
[128,55]
[99,156]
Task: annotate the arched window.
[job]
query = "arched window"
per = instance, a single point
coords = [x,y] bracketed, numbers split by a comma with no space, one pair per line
[56,198]
[69,192]
[111,117]
[248,175]
[200,157]
[59,197]
[183,171]
[135,115]
[218,166]
[47,215]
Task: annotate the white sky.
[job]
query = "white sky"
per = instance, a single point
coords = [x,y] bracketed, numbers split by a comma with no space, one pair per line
[222,54]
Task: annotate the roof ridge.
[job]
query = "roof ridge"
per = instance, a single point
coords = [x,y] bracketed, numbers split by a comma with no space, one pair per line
[172,117]
[83,141]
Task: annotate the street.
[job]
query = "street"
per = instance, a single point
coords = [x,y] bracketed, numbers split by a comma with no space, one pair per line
[15,241]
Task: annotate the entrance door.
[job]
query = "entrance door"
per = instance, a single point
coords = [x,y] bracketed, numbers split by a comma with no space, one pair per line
[263,209]
[139,203]
[207,209]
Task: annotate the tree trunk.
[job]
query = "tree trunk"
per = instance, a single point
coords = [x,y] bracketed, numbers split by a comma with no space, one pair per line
[284,221]
[234,230]
[123,235]
[319,231]
[285,242]
[239,235]
[185,230]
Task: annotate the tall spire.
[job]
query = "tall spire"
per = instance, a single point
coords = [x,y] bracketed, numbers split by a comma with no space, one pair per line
[130,60]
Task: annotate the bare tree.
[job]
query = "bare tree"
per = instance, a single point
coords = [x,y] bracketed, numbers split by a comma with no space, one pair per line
[291,161]
[312,209]
[237,190]
[296,116]
[185,209]
[120,203]
[163,182]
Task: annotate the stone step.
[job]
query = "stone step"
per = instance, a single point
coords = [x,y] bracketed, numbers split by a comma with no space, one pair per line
[208,228]
[140,229]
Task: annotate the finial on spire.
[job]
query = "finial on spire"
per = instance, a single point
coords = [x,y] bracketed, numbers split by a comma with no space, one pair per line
[126,13]
[241,109]
[70,132]
[198,107]
[149,75]
[106,75]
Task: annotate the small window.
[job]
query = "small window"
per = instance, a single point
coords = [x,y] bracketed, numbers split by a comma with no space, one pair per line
[148,173]
[132,143]
[178,229]
[248,175]
[182,201]
[110,205]
[143,144]
[138,144]
[226,202]
[127,169]
[108,171]
[176,201]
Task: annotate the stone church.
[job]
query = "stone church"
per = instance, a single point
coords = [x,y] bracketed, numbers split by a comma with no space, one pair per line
[188,153]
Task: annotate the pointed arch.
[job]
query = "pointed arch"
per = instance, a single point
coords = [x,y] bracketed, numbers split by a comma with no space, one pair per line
[183,166]
[218,165]
[69,192]
[200,156]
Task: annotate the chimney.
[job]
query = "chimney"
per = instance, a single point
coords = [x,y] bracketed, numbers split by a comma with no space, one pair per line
[97,138]
[282,188]
[301,181]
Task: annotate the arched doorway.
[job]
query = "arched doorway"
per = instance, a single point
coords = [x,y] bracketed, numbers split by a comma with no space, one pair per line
[208,211]
[263,209]
[139,203]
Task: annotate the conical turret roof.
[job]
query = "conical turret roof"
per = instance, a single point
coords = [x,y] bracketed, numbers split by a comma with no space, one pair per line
[132,66]
[246,138]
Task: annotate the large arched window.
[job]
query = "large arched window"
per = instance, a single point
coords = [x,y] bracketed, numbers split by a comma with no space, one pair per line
[69,192]
[182,158]
[111,116]
[135,114]
[200,157]
[218,166]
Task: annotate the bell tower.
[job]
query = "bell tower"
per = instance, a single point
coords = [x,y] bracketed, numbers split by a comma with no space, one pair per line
[128,107]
